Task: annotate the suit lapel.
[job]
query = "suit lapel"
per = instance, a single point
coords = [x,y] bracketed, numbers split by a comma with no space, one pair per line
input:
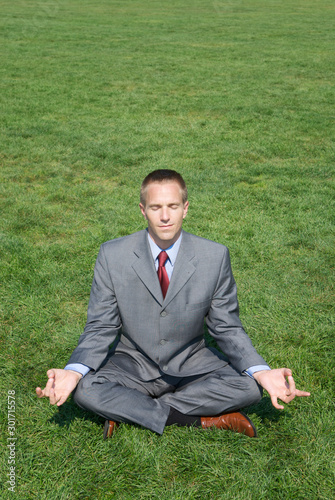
[183,269]
[144,267]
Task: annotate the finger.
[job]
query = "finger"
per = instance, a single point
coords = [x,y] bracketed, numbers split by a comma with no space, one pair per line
[289,398]
[52,397]
[50,382]
[287,372]
[274,401]
[61,401]
[302,393]
[48,387]
[39,392]
[51,373]
[291,384]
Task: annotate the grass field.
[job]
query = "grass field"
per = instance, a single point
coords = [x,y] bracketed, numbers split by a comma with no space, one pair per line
[239,97]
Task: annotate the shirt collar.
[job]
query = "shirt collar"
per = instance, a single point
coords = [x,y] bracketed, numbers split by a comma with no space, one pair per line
[172,251]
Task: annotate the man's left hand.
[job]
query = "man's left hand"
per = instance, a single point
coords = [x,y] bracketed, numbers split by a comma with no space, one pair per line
[279,383]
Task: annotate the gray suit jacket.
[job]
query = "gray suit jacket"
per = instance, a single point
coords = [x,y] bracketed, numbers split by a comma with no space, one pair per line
[163,336]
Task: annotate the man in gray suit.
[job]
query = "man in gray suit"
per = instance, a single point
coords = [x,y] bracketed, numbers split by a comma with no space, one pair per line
[142,357]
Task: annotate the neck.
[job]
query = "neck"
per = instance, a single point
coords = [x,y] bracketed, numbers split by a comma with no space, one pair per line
[164,244]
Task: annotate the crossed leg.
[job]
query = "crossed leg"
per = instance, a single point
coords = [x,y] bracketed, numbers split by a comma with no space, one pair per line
[116,395]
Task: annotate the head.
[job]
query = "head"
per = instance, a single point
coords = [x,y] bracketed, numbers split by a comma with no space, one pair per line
[163,175]
[164,205]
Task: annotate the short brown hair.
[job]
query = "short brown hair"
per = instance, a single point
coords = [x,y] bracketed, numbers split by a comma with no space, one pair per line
[163,175]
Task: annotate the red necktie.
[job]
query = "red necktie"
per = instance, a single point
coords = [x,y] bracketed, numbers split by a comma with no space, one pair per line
[162,274]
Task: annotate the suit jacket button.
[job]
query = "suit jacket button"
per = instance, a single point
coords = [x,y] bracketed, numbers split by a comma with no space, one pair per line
[163,342]
[165,368]
[163,313]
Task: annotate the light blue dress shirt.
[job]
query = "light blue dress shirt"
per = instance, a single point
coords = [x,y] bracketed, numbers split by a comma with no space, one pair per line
[172,252]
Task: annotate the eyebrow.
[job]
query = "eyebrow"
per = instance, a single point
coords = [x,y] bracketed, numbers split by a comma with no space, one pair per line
[160,205]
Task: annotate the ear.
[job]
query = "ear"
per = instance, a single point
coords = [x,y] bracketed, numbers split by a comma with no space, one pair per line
[143,211]
[185,209]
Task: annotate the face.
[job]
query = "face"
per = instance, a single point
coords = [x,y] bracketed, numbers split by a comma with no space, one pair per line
[164,210]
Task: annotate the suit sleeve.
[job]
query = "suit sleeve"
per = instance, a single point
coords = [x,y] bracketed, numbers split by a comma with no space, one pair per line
[103,319]
[224,324]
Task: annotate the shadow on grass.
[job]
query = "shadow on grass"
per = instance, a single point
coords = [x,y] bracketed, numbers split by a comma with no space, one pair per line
[69,411]
[266,411]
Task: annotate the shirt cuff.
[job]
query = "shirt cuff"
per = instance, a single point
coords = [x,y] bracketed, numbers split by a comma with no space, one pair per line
[78,367]
[257,368]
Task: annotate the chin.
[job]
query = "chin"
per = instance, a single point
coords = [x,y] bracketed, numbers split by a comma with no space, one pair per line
[167,236]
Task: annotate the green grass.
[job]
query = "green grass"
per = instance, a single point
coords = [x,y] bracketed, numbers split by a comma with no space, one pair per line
[239,97]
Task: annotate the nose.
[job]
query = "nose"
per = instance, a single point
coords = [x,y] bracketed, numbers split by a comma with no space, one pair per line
[165,217]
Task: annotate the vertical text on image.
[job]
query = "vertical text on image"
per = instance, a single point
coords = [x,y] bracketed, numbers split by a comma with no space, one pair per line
[11,440]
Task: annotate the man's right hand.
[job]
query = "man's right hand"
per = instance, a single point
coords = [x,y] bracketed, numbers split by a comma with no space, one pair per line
[59,386]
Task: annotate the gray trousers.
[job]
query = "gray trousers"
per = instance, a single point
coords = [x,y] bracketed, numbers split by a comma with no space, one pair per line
[115,395]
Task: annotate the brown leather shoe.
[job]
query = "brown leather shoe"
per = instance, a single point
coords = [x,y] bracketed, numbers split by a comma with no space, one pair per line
[237,422]
[109,428]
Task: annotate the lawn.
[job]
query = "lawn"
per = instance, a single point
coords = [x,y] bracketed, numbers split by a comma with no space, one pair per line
[239,97]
